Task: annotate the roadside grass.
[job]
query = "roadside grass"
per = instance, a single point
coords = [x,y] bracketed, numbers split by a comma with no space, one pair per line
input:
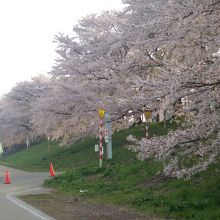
[125,180]
[81,153]
[38,157]
[35,158]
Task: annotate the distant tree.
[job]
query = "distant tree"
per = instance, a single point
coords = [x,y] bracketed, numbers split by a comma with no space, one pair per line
[16,111]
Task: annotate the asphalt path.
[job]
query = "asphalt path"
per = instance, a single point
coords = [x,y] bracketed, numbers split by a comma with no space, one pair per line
[22,183]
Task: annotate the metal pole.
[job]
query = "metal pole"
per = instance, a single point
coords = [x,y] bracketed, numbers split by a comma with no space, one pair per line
[100,143]
[48,144]
[27,143]
[109,142]
[147,115]
[147,126]
[1,151]
[107,151]
[109,136]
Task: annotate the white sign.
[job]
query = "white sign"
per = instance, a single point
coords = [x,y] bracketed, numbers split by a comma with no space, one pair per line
[106,135]
[1,149]
[27,143]
[96,148]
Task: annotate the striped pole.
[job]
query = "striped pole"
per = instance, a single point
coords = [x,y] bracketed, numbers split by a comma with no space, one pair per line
[100,143]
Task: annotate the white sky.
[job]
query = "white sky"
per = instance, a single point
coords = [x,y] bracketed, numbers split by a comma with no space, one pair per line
[27,31]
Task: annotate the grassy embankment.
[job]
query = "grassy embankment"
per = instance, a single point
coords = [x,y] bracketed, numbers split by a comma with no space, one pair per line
[125,180]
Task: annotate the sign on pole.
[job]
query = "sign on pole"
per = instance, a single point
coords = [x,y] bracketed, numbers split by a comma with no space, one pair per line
[96,148]
[106,135]
[1,149]
[147,114]
[27,143]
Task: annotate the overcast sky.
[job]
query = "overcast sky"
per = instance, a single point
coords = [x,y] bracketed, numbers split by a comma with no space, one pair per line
[27,31]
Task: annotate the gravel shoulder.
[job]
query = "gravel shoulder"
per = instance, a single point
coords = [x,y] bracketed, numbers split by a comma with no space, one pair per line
[65,207]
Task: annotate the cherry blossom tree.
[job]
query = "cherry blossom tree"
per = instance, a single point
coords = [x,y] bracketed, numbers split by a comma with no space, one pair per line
[124,61]
[189,68]
[16,111]
[150,50]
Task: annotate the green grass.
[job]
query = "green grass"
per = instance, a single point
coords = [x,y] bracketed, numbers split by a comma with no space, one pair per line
[125,180]
[35,158]
[38,157]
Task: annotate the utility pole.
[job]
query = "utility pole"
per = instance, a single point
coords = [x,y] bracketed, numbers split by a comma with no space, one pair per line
[147,115]
[108,137]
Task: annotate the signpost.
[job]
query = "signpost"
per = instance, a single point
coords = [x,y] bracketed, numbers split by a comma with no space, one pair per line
[48,144]
[106,133]
[101,116]
[147,115]
[27,143]
[96,148]
[1,150]
[108,136]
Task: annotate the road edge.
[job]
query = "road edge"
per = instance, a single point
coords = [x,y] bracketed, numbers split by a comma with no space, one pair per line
[12,197]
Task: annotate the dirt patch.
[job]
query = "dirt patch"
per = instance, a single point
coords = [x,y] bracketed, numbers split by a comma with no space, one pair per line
[155,180]
[63,207]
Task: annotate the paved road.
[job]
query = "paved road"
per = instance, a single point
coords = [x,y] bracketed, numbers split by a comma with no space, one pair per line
[11,208]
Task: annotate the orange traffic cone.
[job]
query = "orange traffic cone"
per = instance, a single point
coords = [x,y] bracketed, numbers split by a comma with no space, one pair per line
[7,178]
[52,173]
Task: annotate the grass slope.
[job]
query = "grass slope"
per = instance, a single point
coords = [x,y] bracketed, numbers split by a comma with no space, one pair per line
[125,180]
